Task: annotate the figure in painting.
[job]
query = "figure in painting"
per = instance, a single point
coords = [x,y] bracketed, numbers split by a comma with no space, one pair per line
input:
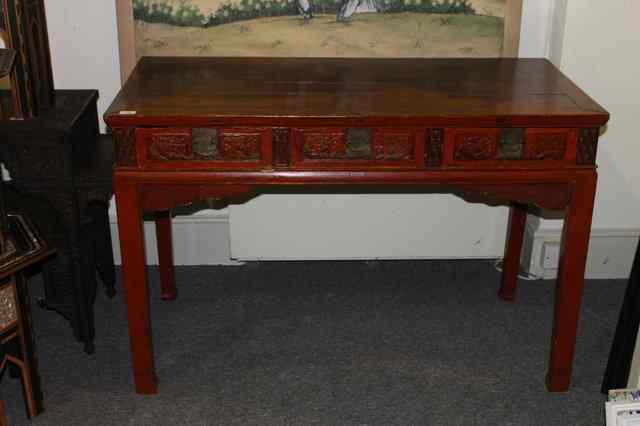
[349,7]
[304,7]
[345,11]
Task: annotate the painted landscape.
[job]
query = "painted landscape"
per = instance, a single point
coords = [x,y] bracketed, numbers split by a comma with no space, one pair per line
[322,28]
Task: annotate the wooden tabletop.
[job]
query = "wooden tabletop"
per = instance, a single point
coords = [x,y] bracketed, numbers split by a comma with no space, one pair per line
[417,91]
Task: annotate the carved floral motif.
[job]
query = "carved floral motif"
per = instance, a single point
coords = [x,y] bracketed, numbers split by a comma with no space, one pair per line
[170,146]
[475,147]
[393,146]
[545,146]
[319,146]
[588,146]
[239,146]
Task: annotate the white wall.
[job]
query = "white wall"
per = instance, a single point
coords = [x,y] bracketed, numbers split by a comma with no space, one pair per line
[534,35]
[597,49]
[600,53]
[595,44]
[84,46]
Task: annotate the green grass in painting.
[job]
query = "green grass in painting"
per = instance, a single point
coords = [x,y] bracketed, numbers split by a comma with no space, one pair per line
[159,11]
[429,6]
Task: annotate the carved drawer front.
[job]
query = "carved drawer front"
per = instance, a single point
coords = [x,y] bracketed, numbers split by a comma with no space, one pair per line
[510,147]
[353,148]
[204,148]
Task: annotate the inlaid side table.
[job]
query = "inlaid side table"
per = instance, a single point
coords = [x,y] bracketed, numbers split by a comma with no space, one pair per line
[23,248]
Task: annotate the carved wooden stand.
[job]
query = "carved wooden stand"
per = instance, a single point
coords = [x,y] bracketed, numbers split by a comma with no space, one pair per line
[530,148]
[63,170]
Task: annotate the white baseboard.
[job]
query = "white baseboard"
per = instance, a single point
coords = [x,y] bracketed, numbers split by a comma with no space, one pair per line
[200,239]
[204,239]
[611,252]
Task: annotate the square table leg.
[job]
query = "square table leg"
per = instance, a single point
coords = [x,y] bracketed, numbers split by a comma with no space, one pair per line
[570,281]
[136,291]
[511,262]
[165,254]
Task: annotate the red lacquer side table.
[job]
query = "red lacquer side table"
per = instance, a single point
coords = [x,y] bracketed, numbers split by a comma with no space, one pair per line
[506,131]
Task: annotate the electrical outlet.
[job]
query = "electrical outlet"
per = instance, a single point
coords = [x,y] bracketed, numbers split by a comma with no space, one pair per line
[550,255]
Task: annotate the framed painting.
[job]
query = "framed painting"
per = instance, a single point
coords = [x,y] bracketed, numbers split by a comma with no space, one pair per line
[322,28]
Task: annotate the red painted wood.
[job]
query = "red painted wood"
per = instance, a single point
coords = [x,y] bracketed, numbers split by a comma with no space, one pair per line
[444,104]
[182,137]
[165,254]
[136,292]
[338,161]
[511,262]
[573,260]
[343,92]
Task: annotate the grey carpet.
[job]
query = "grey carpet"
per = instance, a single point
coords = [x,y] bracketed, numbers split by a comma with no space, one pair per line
[330,343]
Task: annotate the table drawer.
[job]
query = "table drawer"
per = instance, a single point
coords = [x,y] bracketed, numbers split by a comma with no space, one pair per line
[355,148]
[204,148]
[510,147]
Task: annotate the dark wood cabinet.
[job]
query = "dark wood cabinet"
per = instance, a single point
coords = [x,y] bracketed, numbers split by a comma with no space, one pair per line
[60,160]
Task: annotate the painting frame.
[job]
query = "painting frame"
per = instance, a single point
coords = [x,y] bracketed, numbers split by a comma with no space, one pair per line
[127,41]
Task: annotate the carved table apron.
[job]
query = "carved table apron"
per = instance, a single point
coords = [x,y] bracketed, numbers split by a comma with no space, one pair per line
[500,131]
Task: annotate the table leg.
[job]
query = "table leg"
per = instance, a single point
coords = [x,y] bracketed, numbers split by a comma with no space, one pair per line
[511,262]
[570,281]
[31,385]
[165,255]
[136,291]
